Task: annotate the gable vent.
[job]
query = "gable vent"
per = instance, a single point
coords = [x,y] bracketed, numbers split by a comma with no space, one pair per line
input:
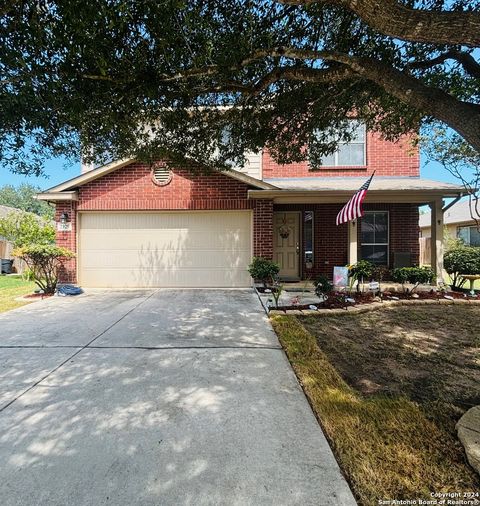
[161,174]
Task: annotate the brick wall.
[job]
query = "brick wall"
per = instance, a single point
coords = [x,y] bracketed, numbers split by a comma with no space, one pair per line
[387,158]
[132,189]
[67,240]
[263,229]
[331,242]
[404,230]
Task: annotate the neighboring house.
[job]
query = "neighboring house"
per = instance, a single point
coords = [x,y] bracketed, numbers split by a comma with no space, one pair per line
[133,225]
[459,223]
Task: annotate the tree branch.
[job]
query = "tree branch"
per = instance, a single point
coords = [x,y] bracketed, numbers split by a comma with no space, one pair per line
[468,62]
[303,74]
[392,18]
[463,117]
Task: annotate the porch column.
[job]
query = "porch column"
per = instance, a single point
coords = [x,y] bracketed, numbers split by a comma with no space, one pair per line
[352,242]
[437,238]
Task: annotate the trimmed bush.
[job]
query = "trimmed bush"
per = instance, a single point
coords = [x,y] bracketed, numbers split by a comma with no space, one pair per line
[44,261]
[461,260]
[263,269]
[414,275]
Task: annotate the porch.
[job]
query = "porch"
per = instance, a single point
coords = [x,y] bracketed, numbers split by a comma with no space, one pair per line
[307,242]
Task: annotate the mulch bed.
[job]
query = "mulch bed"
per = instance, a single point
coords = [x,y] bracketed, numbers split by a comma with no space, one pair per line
[37,296]
[336,300]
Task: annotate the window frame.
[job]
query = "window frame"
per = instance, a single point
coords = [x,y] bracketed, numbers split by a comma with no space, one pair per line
[304,238]
[340,144]
[387,244]
[469,227]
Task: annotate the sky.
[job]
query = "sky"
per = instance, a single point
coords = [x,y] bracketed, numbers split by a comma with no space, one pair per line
[54,170]
[57,173]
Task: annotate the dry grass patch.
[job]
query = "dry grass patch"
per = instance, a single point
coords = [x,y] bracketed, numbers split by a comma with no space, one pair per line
[386,445]
[429,354]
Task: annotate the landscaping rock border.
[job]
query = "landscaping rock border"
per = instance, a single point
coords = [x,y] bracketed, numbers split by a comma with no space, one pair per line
[468,429]
[374,306]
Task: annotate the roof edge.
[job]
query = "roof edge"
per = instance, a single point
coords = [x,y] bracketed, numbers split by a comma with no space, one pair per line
[50,196]
[91,175]
[245,178]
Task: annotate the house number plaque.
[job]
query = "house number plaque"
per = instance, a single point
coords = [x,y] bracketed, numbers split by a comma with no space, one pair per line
[64,227]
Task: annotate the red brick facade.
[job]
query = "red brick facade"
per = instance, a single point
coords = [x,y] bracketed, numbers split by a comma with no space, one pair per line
[131,188]
[386,158]
[330,242]
[68,240]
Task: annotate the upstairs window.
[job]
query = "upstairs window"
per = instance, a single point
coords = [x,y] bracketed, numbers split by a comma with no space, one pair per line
[351,154]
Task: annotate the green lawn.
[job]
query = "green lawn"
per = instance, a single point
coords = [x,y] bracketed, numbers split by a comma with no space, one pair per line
[476,285]
[12,287]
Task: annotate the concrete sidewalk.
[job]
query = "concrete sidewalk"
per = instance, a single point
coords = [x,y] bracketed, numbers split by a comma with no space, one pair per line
[169,397]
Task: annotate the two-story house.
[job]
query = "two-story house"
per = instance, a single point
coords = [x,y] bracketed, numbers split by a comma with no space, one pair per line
[136,225]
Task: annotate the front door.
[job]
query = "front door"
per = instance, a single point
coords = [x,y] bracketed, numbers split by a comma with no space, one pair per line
[286,245]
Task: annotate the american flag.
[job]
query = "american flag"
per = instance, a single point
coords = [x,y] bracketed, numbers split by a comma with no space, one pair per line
[353,208]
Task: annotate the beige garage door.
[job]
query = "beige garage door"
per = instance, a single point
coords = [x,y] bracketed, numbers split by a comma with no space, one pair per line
[167,249]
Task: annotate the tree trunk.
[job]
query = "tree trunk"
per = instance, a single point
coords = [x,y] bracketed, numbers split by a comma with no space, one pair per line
[397,20]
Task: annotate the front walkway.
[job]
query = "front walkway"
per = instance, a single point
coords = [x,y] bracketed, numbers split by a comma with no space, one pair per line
[155,398]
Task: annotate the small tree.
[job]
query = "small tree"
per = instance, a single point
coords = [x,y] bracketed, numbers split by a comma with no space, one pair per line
[263,269]
[462,260]
[22,229]
[44,261]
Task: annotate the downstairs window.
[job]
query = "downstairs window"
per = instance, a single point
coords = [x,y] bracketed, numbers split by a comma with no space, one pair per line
[374,237]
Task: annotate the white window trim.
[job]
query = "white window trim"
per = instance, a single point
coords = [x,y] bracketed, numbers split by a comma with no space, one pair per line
[364,143]
[387,244]
[313,235]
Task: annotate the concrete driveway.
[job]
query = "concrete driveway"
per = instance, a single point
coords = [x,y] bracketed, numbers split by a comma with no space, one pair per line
[158,398]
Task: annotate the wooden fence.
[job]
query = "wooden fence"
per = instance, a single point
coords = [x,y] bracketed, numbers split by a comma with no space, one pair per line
[425,250]
[6,252]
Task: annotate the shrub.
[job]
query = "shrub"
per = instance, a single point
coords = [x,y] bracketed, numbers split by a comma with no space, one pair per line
[322,286]
[263,269]
[363,269]
[44,261]
[413,275]
[360,271]
[23,229]
[462,260]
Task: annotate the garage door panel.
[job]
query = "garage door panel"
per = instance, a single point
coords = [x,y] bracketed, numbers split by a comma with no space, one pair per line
[197,220]
[156,259]
[128,278]
[177,249]
[174,240]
